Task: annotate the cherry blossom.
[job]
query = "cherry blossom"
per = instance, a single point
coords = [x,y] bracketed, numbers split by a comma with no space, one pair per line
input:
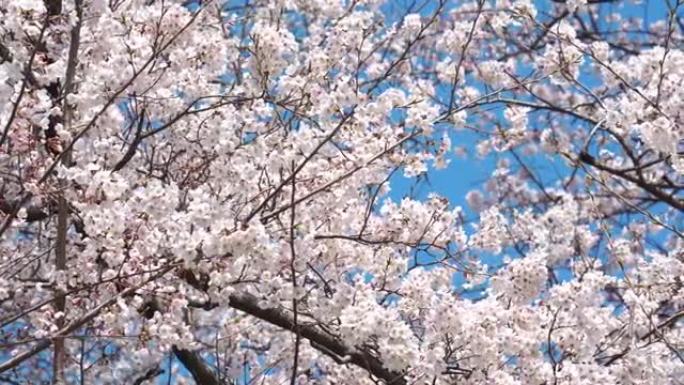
[208,192]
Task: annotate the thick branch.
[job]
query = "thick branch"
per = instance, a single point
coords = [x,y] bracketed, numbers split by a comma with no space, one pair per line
[320,340]
[324,342]
[5,54]
[60,300]
[150,374]
[33,213]
[54,7]
[664,197]
[197,367]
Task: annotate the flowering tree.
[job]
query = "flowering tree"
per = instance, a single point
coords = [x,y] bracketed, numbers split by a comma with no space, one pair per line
[199,192]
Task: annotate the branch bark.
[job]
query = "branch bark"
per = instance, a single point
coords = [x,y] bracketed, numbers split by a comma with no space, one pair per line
[5,54]
[659,194]
[150,374]
[320,340]
[197,367]
[33,213]
[62,204]
[324,342]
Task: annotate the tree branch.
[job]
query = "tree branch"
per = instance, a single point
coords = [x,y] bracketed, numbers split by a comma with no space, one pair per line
[664,197]
[150,374]
[333,347]
[5,54]
[321,341]
[197,367]
[77,323]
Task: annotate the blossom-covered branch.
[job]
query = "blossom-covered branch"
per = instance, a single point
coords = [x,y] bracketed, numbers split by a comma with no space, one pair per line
[241,192]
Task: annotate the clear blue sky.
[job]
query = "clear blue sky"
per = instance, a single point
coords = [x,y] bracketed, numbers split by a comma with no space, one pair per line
[462,175]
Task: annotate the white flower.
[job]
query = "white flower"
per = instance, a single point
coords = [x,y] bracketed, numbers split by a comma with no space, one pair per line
[412,22]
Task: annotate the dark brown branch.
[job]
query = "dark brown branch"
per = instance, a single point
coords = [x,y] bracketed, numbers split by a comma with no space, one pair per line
[665,324]
[197,367]
[192,361]
[651,189]
[321,341]
[33,213]
[54,7]
[5,54]
[333,347]
[150,374]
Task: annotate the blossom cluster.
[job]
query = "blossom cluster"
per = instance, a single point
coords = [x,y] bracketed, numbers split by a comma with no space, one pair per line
[212,186]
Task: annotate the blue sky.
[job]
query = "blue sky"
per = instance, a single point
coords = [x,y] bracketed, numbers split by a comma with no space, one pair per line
[464,174]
